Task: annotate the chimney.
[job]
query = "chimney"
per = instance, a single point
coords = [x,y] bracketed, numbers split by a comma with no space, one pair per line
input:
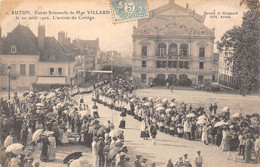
[187,6]
[41,37]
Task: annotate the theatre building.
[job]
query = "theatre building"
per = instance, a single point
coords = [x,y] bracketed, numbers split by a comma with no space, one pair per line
[173,44]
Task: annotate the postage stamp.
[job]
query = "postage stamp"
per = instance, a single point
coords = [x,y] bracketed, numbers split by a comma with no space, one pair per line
[127,10]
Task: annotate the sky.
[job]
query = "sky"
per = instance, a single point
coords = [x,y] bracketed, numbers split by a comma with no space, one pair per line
[114,36]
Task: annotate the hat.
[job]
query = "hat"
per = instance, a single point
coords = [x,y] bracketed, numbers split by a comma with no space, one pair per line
[198,151]
[185,155]
[138,156]
[100,138]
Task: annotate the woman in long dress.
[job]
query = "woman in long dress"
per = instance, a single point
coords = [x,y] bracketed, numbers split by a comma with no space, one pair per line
[64,137]
[224,143]
[44,148]
[204,136]
[144,129]
[52,146]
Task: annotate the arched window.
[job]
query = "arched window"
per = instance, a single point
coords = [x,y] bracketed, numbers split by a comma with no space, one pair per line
[162,49]
[183,77]
[184,49]
[173,49]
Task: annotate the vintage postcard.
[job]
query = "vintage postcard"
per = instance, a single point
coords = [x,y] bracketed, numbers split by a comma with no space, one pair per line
[129,83]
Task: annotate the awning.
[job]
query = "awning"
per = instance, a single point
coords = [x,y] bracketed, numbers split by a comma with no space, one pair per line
[51,80]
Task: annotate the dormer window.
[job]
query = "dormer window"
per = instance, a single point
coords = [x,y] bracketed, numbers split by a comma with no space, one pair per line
[13,49]
[52,57]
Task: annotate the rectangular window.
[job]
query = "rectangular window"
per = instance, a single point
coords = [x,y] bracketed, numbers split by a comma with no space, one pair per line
[186,65]
[158,64]
[169,64]
[202,52]
[201,65]
[144,50]
[13,49]
[143,64]
[59,71]
[143,78]
[181,64]
[13,68]
[51,71]
[164,64]
[174,64]
[184,52]
[31,69]
[22,69]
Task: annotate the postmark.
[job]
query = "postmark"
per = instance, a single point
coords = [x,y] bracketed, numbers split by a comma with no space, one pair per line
[127,10]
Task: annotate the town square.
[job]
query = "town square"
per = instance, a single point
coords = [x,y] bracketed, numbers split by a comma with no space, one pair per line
[165,83]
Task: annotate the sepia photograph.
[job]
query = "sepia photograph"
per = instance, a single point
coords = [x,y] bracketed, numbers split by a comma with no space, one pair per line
[129,83]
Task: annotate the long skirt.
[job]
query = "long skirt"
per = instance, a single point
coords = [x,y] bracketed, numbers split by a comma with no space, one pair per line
[144,134]
[122,124]
[171,132]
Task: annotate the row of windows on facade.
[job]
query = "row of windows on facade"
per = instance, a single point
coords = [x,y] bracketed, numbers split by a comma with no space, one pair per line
[173,64]
[173,50]
[31,69]
[173,76]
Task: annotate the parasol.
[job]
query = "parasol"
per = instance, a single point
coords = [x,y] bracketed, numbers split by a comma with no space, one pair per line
[158,99]
[202,117]
[15,148]
[150,98]
[112,153]
[36,135]
[132,100]
[101,130]
[115,133]
[225,109]
[51,95]
[160,108]
[172,105]
[190,115]
[158,105]
[168,110]
[221,123]
[236,115]
[119,144]
[75,155]
[40,105]
[201,122]
[165,100]
[147,104]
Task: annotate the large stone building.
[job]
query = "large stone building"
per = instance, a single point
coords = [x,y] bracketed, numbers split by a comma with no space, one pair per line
[34,60]
[173,43]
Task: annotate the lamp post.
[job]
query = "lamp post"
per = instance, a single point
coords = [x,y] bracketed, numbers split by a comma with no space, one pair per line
[9,81]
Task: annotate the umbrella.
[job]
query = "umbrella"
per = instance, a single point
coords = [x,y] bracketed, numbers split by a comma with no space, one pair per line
[119,144]
[236,115]
[147,104]
[225,109]
[51,115]
[160,108]
[158,99]
[172,105]
[221,123]
[190,115]
[158,105]
[51,95]
[150,98]
[75,155]
[101,130]
[165,100]
[112,153]
[202,117]
[39,111]
[36,135]
[201,122]
[15,148]
[40,105]
[115,133]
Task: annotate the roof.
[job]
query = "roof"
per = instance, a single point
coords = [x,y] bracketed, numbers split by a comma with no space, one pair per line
[24,40]
[52,51]
[172,19]
[91,46]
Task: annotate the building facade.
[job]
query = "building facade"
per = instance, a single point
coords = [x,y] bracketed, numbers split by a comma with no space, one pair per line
[225,71]
[173,44]
[33,60]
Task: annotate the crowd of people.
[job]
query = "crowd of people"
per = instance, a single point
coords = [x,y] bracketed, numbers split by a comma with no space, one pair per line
[236,134]
[43,120]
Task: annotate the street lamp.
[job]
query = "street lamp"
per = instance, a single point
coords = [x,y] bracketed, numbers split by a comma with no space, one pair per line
[9,81]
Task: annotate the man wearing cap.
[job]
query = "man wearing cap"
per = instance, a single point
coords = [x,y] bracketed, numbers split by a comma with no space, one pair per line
[198,160]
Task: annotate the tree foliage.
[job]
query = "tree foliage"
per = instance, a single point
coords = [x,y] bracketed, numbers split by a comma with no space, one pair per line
[241,47]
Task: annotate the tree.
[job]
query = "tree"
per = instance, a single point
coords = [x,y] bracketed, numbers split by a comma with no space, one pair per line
[242,43]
